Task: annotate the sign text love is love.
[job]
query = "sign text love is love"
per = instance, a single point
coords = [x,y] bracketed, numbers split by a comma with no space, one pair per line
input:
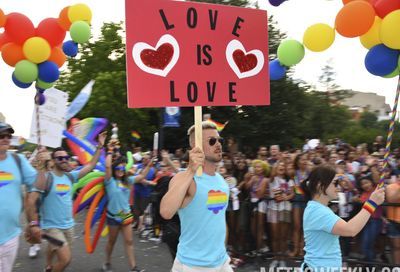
[195,54]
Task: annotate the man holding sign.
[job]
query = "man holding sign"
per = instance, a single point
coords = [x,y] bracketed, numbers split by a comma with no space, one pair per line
[201,203]
[196,54]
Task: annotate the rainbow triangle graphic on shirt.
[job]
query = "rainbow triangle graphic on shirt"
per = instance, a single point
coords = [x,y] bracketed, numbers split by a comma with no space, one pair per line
[122,187]
[216,201]
[62,189]
[5,178]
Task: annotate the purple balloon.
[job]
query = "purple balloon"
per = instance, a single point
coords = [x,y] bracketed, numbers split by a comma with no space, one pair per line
[276,3]
[40,98]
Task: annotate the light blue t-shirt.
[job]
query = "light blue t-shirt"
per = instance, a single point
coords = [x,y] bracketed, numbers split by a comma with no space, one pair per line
[321,246]
[11,195]
[203,224]
[56,209]
[118,195]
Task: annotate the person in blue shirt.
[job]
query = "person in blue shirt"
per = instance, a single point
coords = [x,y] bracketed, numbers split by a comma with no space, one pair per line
[56,218]
[201,203]
[118,183]
[322,227]
[142,191]
[11,178]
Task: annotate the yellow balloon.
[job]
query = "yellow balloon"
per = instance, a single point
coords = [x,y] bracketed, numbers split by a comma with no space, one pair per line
[372,37]
[390,30]
[319,37]
[79,12]
[36,49]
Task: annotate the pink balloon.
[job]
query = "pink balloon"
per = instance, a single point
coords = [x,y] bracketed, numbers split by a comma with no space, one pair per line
[19,28]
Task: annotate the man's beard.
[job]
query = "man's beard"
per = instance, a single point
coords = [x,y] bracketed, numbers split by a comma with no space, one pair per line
[213,159]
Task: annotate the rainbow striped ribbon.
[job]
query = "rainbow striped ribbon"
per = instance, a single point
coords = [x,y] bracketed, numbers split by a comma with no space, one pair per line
[389,137]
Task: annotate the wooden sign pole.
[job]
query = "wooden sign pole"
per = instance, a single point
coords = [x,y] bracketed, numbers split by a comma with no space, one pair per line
[198,130]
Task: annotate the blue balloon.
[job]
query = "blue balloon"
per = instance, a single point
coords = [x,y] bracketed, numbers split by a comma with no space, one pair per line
[381,60]
[276,3]
[276,70]
[40,90]
[40,98]
[48,71]
[19,83]
[70,48]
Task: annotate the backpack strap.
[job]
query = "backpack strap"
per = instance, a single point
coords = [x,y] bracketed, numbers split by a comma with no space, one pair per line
[49,184]
[17,160]
[70,177]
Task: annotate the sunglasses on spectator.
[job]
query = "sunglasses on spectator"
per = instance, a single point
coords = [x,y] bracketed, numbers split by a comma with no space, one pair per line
[120,168]
[5,136]
[62,158]
[212,141]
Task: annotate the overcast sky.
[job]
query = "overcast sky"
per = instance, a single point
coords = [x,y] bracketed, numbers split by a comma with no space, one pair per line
[293,17]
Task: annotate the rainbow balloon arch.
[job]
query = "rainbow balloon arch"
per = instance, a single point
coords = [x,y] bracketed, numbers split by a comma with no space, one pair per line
[37,53]
[375,22]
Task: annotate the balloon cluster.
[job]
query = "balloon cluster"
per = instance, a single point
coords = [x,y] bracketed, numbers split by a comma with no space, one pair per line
[375,22]
[38,53]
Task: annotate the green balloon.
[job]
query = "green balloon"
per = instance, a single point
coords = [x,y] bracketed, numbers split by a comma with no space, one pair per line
[80,32]
[393,74]
[44,85]
[26,71]
[290,52]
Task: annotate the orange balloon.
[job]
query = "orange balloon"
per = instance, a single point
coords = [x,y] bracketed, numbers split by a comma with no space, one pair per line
[57,56]
[3,18]
[355,19]
[348,1]
[4,39]
[12,53]
[63,19]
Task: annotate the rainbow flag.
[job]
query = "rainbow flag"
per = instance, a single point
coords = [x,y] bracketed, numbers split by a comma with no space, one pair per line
[135,135]
[219,126]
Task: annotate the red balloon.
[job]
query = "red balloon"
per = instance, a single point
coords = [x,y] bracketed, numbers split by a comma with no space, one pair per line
[3,40]
[50,30]
[19,28]
[12,53]
[384,7]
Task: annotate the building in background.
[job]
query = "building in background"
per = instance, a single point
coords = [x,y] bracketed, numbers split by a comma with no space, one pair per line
[361,102]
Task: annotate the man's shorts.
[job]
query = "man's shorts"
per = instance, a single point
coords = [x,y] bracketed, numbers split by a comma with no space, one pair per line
[393,230]
[274,216]
[179,267]
[64,235]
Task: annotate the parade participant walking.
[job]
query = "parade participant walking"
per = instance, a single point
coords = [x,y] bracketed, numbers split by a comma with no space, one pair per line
[118,185]
[15,171]
[201,202]
[322,227]
[56,208]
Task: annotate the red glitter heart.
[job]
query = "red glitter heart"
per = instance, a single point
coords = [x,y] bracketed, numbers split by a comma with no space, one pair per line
[244,62]
[158,59]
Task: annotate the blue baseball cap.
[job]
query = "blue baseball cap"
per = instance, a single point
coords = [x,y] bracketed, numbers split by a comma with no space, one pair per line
[6,127]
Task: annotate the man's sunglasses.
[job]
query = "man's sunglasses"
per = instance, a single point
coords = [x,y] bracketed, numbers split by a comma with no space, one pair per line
[5,136]
[62,158]
[212,141]
[120,168]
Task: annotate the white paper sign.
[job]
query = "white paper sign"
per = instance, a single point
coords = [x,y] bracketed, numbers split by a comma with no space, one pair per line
[51,119]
